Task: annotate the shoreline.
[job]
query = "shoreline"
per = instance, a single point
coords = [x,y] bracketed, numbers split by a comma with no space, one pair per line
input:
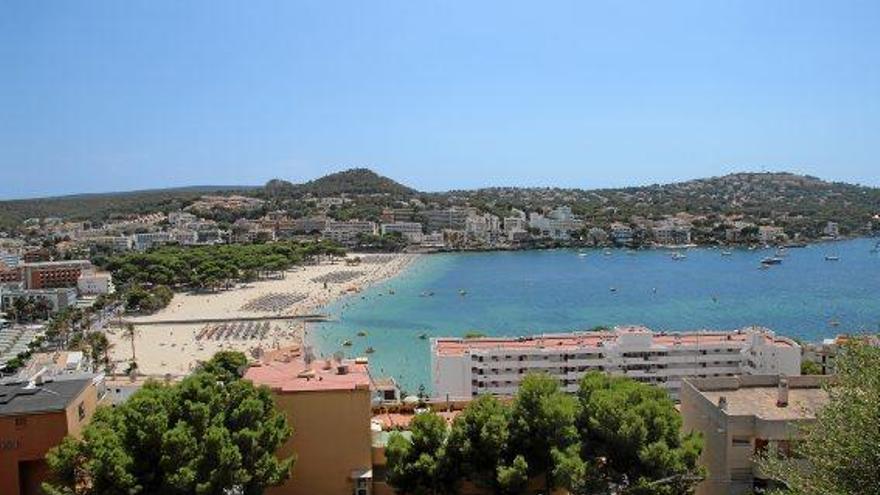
[252,318]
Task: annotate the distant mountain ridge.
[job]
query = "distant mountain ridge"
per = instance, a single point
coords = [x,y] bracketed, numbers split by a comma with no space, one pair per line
[753,194]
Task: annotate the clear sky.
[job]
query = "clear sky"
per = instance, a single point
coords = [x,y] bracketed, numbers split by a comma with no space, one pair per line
[110,95]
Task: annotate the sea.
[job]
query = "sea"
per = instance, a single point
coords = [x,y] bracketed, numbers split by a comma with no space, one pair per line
[514,293]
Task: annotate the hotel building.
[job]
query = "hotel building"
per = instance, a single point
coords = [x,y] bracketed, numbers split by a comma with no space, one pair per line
[53,274]
[463,368]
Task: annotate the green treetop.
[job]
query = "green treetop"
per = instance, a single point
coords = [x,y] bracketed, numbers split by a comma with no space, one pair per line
[209,435]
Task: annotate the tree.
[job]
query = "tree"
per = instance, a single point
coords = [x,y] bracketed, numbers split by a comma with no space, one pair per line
[204,436]
[228,365]
[418,465]
[630,436]
[542,424]
[840,452]
[130,332]
[478,442]
[811,368]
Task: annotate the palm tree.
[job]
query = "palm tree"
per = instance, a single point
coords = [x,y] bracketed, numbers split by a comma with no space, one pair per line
[130,332]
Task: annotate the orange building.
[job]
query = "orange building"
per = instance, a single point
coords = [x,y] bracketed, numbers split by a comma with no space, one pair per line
[328,404]
[53,274]
[35,417]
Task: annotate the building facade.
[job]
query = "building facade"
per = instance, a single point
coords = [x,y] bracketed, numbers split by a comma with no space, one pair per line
[329,406]
[53,274]
[34,417]
[741,417]
[463,368]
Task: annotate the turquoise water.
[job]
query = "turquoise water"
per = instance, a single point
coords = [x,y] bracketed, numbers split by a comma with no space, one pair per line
[527,292]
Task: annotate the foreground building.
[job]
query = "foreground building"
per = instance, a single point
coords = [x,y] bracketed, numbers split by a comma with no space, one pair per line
[329,406]
[741,417]
[464,368]
[34,417]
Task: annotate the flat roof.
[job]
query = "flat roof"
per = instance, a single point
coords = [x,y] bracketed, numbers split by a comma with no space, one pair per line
[47,397]
[451,346]
[803,403]
[288,372]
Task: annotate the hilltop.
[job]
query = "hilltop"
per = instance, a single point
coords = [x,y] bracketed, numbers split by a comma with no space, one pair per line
[353,181]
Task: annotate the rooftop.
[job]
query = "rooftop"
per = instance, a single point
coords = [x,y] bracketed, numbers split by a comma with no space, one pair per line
[451,346]
[288,372]
[757,396]
[47,397]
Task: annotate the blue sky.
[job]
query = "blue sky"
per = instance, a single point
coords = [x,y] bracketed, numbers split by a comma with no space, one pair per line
[100,96]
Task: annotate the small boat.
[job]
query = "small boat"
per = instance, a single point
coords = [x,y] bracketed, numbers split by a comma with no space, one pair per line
[781,253]
[834,323]
[796,245]
[773,260]
[423,336]
[369,350]
[427,293]
[362,334]
[346,343]
[391,291]
[613,289]
[462,292]
[678,256]
[582,255]
[607,252]
[726,253]
[829,257]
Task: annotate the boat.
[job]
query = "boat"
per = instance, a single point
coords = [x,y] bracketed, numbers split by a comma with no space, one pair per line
[423,336]
[834,323]
[362,334]
[830,257]
[726,253]
[781,253]
[346,343]
[582,255]
[771,260]
[369,350]
[613,289]
[462,292]
[678,256]
[796,245]
[427,293]
[607,252]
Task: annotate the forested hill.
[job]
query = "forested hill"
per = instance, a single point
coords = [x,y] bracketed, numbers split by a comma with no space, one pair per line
[354,181]
[799,201]
[104,205]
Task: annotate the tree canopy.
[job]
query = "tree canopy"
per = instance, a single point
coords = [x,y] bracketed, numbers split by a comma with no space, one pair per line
[615,436]
[211,434]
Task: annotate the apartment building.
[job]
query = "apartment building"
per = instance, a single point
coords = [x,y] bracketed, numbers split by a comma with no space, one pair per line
[329,406]
[451,218]
[411,231]
[34,417]
[53,274]
[346,233]
[463,368]
[740,417]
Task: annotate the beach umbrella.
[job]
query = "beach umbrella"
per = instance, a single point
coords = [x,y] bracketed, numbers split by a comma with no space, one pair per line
[411,399]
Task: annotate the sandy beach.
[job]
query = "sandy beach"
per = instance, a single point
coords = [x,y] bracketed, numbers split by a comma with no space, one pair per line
[175,348]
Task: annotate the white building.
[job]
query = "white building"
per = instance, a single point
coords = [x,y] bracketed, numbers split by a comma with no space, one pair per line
[92,283]
[621,234]
[831,229]
[346,233]
[671,233]
[411,231]
[463,368]
[146,240]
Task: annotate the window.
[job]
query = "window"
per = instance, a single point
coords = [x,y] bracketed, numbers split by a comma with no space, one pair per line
[20,423]
[741,442]
[81,411]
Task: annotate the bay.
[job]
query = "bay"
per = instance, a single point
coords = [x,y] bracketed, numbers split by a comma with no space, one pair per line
[532,292]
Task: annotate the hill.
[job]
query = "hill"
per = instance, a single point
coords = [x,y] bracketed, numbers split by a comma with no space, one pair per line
[355,181]
[105,205]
